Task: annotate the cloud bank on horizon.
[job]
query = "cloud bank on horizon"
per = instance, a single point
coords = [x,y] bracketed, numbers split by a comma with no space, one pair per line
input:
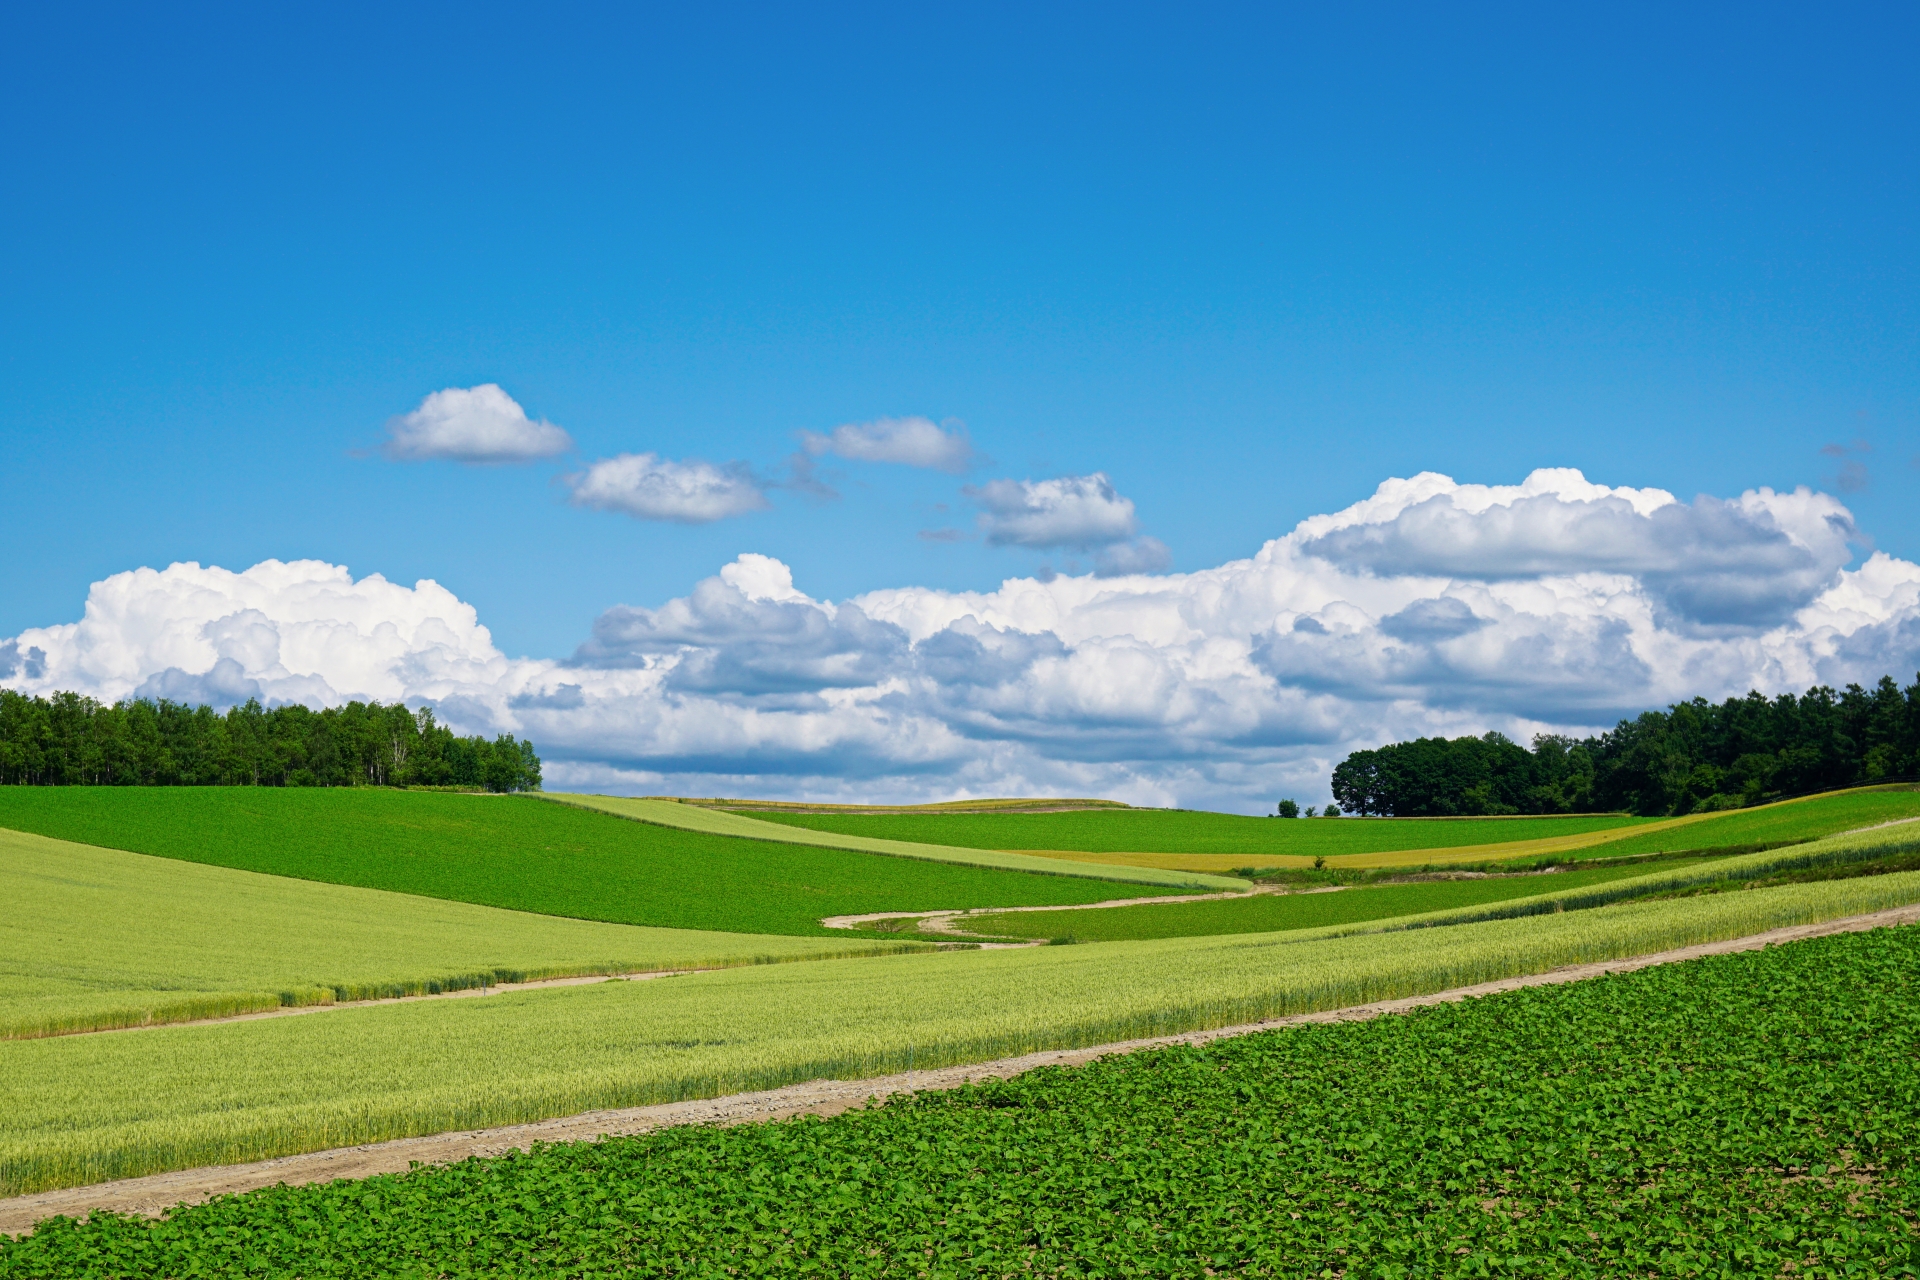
[1430,607]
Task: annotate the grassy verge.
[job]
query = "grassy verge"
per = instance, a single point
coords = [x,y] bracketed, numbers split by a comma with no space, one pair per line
[691,817]
[1757,1107]
[523,854]
[84,1109]
[100,938]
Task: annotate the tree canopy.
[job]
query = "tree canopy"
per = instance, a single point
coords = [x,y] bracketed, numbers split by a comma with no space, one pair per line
[1693,757]
[71,740]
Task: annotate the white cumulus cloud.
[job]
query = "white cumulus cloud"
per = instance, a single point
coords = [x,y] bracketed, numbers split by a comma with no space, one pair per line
[649,487]
[1430,607]
[913,442]
[473,424]
[282,632]
[1072,512]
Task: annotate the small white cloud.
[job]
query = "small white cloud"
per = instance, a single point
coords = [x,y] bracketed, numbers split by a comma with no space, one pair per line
[472,424]
[1076,512]
[649,487]
[912,442]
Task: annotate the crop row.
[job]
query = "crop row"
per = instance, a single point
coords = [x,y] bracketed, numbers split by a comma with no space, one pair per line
[83,1109]
[1753,1114]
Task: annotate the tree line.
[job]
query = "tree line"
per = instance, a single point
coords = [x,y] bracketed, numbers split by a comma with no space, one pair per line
[1694,757]
[71,740]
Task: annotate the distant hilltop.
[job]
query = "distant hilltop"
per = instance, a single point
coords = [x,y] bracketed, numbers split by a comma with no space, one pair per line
[1042,804]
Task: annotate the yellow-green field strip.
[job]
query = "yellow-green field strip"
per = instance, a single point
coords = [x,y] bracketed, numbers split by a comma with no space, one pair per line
[77,1110]
[671,813]
[1834,851]
[93,939]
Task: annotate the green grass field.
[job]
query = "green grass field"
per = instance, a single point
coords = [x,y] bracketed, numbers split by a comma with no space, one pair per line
[1195,832]
[1270,913]
[1224,843]
[1784,823]
[97,938]
[1748,1114]
[521,853]
[722,822]
[82,1109]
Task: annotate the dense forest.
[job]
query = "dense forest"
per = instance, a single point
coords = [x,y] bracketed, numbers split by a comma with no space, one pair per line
[1691,758]
[69,740]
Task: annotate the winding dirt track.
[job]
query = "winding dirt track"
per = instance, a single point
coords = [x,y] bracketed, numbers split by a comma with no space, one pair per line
[153,1195]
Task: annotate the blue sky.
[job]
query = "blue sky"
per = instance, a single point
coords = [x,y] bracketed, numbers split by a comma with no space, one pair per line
[1246,261]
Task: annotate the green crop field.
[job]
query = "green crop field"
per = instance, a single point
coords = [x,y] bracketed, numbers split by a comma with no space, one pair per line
[722,822]
[82,1109]
[1195,832]
[1269,913]
[1387,907]
[98,938]
[1220,842]
[1750,1114]
[1784,823]
[521,853]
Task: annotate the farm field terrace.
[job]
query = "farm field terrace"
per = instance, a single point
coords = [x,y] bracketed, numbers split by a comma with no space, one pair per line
[521,853]
[1750,1112]
[1877,852]
[1234,837]
[99,938]
[1227,843]
[727,823]
[81,1109]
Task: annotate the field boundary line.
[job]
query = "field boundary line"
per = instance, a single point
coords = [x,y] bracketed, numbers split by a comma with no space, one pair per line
[153,1195]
